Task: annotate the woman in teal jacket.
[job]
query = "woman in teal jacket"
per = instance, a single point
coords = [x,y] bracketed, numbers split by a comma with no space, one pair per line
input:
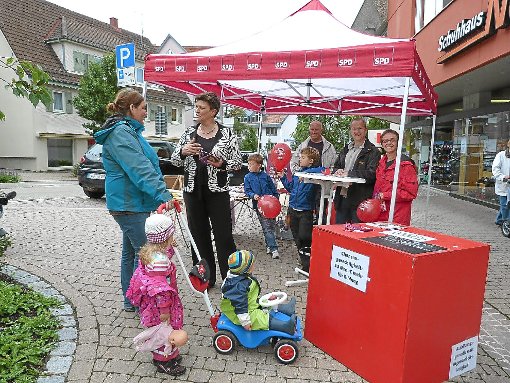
[134,184]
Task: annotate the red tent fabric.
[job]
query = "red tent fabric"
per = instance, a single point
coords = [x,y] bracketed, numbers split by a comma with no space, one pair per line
[310,63]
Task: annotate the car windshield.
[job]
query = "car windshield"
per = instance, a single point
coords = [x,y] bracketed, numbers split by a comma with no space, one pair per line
[95,151]
[162,149]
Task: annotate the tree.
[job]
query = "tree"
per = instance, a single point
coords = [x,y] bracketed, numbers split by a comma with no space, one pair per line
[30,81]
[246,133]
[335,128]
[98,87]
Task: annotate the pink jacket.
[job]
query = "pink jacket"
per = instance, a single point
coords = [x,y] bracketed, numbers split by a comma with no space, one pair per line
[407,189]
[155,294]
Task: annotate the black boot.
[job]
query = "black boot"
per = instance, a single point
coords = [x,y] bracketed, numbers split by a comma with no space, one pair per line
[304,257]
[288,327]
[288,308]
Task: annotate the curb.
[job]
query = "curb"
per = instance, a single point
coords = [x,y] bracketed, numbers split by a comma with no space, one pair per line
[61,357]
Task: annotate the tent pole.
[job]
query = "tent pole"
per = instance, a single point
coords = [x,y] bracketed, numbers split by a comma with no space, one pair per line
[259,133]
[429,173]
[399,149]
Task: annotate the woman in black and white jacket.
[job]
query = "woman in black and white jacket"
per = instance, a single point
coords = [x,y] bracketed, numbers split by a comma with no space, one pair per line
[208,151]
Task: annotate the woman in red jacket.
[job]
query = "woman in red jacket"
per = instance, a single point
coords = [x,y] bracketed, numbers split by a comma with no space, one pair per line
[407,188]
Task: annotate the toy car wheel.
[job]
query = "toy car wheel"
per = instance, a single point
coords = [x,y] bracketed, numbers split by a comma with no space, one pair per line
[505,228]
[286,351]
[224,342]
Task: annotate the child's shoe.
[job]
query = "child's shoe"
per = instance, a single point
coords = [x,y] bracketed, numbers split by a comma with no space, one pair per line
[288,326]
[288,308]
[275,254]
[268,250]
[171,367]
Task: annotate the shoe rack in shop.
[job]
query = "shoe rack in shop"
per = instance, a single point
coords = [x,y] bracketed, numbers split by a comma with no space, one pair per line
[444,163]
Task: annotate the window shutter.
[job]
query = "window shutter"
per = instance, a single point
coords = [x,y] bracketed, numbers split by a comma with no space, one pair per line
[68,98]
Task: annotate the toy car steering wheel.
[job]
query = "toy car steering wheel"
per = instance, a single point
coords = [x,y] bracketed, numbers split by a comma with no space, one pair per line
[273,299]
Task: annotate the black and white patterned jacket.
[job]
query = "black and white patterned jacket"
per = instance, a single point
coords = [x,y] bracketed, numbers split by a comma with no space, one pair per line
[226,148]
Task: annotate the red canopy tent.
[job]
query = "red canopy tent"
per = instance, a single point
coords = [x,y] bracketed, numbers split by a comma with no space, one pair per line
[309,63]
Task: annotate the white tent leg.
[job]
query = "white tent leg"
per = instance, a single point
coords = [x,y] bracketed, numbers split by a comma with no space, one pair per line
[399,149]
[429,176]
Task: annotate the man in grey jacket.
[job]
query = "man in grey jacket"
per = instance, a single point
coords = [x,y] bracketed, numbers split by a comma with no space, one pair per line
[317,141]
[327,157]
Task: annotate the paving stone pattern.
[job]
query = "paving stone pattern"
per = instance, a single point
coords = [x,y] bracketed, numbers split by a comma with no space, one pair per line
[71,249]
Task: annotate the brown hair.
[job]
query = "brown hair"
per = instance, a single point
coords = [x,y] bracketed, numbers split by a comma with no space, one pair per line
[313,154]
[389,131]
[257,158]
[123,100]
[211,98]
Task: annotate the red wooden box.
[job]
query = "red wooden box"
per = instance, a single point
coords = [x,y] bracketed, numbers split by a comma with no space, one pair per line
[391,315]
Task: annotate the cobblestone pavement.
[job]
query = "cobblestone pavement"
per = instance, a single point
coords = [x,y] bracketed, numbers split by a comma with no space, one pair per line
[74,245]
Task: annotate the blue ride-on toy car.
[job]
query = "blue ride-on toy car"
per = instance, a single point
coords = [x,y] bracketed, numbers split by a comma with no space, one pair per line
[229,335]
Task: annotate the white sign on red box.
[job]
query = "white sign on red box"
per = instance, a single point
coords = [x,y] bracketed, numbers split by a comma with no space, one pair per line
[463,357]
[350,268]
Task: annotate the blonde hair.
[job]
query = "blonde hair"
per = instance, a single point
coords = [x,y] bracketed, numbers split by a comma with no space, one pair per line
[313,154]
[147,251]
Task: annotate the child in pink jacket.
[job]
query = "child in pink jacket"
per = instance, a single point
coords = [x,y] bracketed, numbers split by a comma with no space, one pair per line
[153,289]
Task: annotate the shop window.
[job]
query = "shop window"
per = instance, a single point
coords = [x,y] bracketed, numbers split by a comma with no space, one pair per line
[60,152]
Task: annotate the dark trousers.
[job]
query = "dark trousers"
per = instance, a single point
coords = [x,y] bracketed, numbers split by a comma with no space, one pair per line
[345,213]
[202,207]
[301,225]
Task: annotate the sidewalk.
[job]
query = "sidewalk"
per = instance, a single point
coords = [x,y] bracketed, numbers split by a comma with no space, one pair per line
[75,246]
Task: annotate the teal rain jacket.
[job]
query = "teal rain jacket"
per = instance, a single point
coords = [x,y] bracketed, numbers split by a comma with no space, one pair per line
[134,182]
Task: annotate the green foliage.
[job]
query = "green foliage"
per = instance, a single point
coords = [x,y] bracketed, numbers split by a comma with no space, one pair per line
[335,128]
[29,81]
[98,87]
[29,332]
[376,124]
[5,242]
[9,178]
[246,133]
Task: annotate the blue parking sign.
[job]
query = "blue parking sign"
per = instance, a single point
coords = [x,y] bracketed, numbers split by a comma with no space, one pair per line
[125,55]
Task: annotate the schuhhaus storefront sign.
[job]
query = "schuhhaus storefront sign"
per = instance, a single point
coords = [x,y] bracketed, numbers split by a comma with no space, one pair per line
[470,31]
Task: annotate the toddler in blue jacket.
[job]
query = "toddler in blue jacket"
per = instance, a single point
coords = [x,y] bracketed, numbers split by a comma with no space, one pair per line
[257,183]
[302,200]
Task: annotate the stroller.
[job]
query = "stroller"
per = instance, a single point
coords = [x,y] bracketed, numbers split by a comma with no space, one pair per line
[4,199]
[228,334]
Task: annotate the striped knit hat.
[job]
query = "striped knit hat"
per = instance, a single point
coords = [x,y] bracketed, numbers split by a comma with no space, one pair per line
[240,261]
[158,228]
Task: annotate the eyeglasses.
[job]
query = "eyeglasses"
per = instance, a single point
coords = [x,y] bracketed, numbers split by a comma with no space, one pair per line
[388,140]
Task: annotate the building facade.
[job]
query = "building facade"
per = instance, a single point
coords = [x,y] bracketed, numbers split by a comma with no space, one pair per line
[465,48]
[64,43]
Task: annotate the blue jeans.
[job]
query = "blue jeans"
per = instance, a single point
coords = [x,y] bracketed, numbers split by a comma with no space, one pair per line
[268,227]
[133,238]
[503,210]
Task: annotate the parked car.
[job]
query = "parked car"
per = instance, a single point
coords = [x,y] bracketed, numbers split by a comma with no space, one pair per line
[91,173]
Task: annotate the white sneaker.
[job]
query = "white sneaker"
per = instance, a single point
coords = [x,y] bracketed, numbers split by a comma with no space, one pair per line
[275,254]
[268,250]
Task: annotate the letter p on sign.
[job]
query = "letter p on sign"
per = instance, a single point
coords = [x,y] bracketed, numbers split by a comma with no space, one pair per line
[125,55]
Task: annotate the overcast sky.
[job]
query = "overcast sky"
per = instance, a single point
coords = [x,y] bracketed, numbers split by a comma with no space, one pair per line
[201,22]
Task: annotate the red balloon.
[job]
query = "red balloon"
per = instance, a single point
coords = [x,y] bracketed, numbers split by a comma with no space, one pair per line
[280,156]
[369,210]
[269,206]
